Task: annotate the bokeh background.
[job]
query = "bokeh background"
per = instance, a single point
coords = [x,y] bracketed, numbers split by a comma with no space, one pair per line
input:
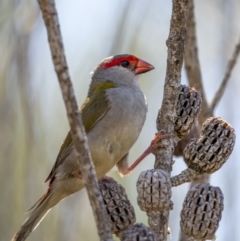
[33,119]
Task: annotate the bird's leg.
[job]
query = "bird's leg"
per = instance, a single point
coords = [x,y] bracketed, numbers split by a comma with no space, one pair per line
[153,146]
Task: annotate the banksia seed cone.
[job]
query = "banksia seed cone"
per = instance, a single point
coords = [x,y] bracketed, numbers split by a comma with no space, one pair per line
[120,211]
[138,232]
[154,190]
[154,193]
[212,149]
[188,107]
[202,211]
[222,129]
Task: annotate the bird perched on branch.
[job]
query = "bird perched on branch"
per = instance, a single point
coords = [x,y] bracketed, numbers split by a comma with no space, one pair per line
[113,116]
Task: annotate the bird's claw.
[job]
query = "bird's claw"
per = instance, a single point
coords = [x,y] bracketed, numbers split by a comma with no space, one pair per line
[151,149]
[156,140]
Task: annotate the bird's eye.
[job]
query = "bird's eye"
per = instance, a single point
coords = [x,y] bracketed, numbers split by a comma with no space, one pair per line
[124,64]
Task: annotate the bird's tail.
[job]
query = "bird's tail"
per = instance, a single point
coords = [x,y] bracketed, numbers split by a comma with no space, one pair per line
[37,213]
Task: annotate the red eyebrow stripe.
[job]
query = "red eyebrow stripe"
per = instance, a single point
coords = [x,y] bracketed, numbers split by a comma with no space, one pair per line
[117,61]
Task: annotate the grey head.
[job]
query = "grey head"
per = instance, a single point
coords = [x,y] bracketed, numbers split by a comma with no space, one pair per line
[121,69]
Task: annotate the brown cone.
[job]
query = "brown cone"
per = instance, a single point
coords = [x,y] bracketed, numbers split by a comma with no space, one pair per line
[202,211]
[120,211]
[212,149]
[154,190]
[188,107]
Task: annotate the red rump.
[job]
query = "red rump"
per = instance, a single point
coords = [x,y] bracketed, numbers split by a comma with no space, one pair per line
[116,61]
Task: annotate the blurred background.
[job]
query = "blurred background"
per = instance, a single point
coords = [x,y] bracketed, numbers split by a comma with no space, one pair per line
[33,120]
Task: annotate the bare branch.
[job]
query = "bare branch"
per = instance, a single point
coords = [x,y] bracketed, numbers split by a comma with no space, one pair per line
[192,64]
[226,78]
[193,70]
[50,17]
[167,113]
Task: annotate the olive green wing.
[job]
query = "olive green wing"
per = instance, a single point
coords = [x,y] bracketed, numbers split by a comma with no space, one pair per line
[93,110]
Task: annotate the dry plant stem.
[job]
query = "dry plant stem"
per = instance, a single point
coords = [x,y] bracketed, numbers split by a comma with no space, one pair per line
[187,175]
[193,239]
[156,221]
[186,238]
[226,78]
[50,17]
[193,71]
[167,113]
[192,64]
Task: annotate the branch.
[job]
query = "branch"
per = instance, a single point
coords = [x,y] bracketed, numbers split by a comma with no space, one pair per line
[193,71]
[50,17]
[167,113]
[229,69]
[192,64]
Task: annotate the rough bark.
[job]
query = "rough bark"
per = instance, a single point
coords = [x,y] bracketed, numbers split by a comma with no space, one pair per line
[167,113]
[50,17]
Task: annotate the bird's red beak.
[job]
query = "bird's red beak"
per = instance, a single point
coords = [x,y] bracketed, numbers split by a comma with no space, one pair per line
[143,67]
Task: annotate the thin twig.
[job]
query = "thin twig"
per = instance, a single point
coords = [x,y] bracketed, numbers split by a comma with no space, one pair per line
[167,113]
[193,71]
[50,17]
[226,78]
[192,64]
[186,238]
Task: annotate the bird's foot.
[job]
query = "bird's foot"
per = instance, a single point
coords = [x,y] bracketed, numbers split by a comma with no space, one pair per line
[151,149]
[156,141]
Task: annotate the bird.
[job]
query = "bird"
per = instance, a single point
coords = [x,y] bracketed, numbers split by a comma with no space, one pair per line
[113,115]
